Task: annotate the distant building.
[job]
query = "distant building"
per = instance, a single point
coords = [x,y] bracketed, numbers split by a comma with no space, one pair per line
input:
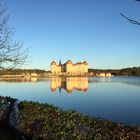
[33,74]
[108,74]
[68,68]
[102,74]
[105,74]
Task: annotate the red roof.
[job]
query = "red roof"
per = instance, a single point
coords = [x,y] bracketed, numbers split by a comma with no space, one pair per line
[69,62]
[85,63]
[53,63]
[79,63]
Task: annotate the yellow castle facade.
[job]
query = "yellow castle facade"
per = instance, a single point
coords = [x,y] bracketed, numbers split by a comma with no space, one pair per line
[68,68]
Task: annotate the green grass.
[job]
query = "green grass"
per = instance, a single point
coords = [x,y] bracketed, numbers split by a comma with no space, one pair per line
[48,122]
[38,121]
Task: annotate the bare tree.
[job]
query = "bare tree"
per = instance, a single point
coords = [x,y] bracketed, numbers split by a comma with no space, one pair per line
[11,51]
[129,19]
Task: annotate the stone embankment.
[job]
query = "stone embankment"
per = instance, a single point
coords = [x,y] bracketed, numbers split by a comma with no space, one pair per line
[35,121]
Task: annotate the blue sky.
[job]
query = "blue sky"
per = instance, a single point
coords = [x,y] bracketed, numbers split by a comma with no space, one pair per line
[79,30]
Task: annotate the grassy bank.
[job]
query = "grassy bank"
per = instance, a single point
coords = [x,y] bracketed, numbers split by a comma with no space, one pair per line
[45,122]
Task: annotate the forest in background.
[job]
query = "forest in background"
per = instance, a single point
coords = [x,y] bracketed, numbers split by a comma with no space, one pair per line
[20,71]
[135,71]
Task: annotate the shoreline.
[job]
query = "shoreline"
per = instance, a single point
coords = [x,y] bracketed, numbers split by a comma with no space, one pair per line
[35,78]
[46,76]
[33,120]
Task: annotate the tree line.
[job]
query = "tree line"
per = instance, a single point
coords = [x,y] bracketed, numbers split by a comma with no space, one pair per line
[134,71]
[20,71]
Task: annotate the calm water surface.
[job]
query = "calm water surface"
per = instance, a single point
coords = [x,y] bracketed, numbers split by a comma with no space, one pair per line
[115,98]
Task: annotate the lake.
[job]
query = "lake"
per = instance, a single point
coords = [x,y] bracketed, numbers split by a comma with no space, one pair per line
[114,98]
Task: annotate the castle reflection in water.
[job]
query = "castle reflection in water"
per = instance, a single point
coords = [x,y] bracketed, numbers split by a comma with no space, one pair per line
[69,83]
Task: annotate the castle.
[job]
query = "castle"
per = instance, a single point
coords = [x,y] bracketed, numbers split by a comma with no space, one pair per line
[68,68]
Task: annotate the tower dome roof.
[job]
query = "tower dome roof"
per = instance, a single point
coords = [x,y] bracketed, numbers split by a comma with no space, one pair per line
[85,63]
[69,62]
[53,63]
